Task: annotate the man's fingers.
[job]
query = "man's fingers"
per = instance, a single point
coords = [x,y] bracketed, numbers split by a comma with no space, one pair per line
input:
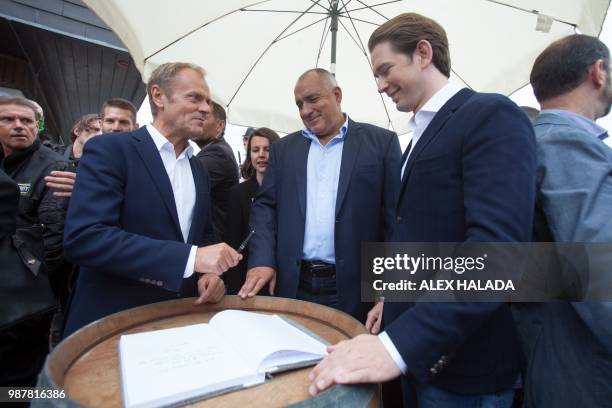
[58,184]
[67,174]
[376,327]
[248,286]
[272,286]
[258,285]
[62,194]
[353,377]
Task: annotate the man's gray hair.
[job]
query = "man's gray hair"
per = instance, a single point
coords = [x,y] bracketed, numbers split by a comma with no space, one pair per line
[21,101]
[163,76]
[328,79]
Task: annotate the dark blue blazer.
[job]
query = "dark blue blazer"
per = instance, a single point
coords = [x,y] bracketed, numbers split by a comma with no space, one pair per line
[123,231]
[366,193]
[471,177]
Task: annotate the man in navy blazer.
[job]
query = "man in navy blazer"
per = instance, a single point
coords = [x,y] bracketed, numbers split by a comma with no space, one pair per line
[139,221]
[327,189]
[468,175]
[569,344]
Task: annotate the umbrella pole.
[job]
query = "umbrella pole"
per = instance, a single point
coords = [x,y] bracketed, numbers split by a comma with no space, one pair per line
[333,27]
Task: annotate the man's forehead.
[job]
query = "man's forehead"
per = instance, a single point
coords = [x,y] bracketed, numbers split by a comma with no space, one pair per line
[16,110]
[113,111]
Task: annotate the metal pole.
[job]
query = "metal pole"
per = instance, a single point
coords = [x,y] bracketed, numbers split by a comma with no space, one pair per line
[333,27]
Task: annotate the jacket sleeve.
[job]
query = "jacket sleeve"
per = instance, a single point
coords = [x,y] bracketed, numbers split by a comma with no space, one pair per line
[94,236]
[393,158]
[52,215]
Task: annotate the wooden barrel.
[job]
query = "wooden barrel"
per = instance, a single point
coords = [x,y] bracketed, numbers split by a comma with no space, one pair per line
[86,364]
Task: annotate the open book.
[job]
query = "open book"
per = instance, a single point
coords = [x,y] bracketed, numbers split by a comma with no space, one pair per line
[235,350]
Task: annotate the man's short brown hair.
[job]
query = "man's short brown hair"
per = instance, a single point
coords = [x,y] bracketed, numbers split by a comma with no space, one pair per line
[120,103]
[82,124]
[21,101]
[405,31]
[163,76]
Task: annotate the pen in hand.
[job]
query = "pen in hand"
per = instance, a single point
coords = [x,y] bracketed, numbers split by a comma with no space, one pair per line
[244,243]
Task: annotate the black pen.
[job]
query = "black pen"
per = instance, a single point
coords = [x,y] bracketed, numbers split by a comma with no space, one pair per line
[244,243]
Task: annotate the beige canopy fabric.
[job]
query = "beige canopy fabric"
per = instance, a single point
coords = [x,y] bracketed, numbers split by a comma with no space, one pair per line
[253,51]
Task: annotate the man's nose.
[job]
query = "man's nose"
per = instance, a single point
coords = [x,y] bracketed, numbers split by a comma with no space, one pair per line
[381,84]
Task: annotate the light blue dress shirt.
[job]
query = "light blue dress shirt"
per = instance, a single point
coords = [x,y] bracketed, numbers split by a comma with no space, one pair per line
[322,176]
[585,123]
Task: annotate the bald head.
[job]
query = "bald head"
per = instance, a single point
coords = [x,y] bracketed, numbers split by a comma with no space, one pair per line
[325,77]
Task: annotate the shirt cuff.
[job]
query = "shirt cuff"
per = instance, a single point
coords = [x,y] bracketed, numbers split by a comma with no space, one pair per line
[395,355]
[190,262]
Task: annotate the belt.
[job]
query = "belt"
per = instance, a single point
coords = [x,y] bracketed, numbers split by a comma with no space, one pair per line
[318,269]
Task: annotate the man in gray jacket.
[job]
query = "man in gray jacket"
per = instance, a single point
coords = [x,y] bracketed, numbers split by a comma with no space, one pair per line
[568,345]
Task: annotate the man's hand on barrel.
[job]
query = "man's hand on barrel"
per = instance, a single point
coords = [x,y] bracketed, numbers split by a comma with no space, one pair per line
[256,279]
[216,258]
[362,359]
[210,288]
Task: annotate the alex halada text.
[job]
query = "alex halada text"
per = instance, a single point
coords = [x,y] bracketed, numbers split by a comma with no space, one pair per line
[443,284]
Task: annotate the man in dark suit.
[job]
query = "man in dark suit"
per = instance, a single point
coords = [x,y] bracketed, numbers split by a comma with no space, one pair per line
[328,188]
[218,158]
[468,175]
[571,80]
[139,216]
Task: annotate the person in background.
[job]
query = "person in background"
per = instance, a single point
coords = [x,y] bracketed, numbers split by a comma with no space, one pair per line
[84,128]
[118,115]
[245,140]
[241,198]
[39,222]
[219,160]
[568,345]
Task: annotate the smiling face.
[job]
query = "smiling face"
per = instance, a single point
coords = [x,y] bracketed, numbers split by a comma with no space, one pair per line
[185,105]
[319,105]
[260,151]
[399,76]
[18,127]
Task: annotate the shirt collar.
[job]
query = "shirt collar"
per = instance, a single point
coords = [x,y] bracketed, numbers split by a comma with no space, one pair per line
[435,103]
[340,136]
[582,121]
[162,143]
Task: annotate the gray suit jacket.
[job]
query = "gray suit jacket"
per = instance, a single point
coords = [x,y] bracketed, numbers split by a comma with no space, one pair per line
[569,345]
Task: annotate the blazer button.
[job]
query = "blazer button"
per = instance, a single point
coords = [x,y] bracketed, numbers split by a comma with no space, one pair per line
[399,219]
[433,371]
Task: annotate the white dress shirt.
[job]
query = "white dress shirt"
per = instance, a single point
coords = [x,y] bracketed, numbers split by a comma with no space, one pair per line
[419,123]
[183,186]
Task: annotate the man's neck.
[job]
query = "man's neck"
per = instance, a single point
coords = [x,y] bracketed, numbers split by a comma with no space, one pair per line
[77,148]
[580,100]
[434,81]
[179,142]
[339,122]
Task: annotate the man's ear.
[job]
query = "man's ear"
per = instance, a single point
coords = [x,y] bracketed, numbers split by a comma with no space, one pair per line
[157,96]
[338,94]
[425,51]
[599,74]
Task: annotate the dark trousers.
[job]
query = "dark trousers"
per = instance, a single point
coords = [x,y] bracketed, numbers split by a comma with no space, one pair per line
[318,283]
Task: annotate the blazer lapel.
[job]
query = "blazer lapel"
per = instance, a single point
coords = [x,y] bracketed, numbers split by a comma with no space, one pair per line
[197,223]
[146,149]
[352,143]
[300,155]
[432,131]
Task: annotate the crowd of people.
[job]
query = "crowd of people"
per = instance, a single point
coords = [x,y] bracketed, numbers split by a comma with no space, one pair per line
[126,216]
